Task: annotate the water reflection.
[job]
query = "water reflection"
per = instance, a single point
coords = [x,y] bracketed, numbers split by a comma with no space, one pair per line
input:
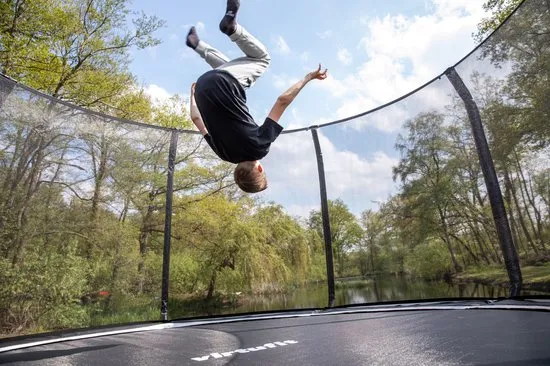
[380,289]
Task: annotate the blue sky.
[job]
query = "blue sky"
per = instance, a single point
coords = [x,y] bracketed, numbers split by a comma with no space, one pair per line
[375,51]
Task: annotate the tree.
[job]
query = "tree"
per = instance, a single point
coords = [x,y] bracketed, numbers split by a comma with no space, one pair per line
[426,175]
[345,231]
[374,227]
[233,251]
[517,120]
[77,51]
[287,237]
[500,10]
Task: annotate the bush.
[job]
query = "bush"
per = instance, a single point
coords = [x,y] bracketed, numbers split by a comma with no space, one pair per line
[43,293]
[429,261]
[183,274]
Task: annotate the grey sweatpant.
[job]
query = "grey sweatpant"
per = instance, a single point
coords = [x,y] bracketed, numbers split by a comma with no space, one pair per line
[245,69]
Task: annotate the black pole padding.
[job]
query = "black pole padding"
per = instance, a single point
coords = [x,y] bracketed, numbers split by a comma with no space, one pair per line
[168,225]
[504,233]
[326,219]
[6,87]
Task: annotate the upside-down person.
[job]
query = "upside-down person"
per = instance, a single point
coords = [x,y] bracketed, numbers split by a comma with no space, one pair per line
[218,102]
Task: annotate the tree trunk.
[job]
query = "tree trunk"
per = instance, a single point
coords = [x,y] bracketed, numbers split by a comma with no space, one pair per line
[124,212]
[522,222]
[100,173]
[371,250]
[144,236]
[115,274]
[479,241]
[468,249]
[31,183]
[447,240]
[211,286]
[528,201]
[508,189]
[491,235]
[47,218]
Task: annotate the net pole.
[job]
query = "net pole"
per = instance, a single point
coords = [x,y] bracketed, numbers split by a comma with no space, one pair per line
[326,218]
[168,225]
[494,192]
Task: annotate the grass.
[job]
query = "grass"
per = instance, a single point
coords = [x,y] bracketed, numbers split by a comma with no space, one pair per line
[534,277]
[127,310]
[137,314]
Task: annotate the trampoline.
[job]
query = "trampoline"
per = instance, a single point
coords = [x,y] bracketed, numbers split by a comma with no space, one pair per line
[450,331]
[463,332]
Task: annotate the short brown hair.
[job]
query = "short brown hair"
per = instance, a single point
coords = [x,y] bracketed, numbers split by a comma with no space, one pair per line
[249,178]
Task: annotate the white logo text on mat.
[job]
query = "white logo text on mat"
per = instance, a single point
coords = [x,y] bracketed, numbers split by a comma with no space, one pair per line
[266,346]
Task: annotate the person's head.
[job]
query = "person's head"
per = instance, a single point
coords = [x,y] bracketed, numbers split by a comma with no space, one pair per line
[250,176]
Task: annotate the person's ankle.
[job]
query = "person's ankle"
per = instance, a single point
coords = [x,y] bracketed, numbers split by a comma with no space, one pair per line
[192,38]
[228,24]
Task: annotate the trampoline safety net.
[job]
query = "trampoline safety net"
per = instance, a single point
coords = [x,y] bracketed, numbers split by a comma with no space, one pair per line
[417,196]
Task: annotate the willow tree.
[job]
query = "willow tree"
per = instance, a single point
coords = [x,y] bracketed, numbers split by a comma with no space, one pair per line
[346,233]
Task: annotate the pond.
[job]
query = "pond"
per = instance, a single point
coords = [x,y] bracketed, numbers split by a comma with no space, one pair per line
[377,289]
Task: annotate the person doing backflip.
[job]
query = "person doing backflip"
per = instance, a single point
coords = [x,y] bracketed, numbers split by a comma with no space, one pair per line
[218,102]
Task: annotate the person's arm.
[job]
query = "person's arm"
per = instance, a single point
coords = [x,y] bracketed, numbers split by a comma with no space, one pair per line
[288,97]
[196,114]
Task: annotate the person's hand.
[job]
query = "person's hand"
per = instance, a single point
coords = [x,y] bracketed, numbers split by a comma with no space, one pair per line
[317,74]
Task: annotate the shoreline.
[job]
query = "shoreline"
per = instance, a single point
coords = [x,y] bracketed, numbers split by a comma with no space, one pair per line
[535,278]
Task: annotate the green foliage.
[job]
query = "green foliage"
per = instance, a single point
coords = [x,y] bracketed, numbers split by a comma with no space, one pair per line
[171,114]
[150,278]
[183,273]
[75,50]
[429,261]
[44,292]
[125,309]
[534,277]
[346,233]
[500,10]
[287,237]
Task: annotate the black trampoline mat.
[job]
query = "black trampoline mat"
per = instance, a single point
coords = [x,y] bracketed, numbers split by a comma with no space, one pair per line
[427,337]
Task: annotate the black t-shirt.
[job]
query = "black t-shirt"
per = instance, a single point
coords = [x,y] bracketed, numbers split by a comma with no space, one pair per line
[232,132]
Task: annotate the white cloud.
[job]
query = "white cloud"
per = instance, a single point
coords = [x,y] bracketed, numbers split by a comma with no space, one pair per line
[325,34]
[161,96]
[199,25]
[281,45]
[283,81]
[348,174]
[447,8]
[302,211]
[337,88]
[292,172]
[304,56]
[157,93]
[345,56]
[402,54]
